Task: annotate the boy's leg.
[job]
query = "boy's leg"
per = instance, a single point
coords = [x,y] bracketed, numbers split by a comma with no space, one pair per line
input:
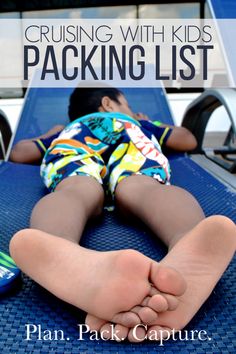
[66,211]
[169,211]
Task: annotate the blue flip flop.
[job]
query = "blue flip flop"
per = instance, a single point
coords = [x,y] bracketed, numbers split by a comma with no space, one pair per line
[9,273]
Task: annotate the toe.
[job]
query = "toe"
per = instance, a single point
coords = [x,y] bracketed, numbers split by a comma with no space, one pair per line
[158,303]
[172,301]
[167,280]
[137,334]
[121,332]
[94,323]
[127,319]
[147,315]
[106,331]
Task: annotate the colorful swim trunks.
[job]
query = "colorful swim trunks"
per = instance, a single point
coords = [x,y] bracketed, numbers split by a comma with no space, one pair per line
[108,147]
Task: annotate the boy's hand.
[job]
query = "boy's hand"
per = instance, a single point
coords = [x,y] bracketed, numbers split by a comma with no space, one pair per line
[140,116]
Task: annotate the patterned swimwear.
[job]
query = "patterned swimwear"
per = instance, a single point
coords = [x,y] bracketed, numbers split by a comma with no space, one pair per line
[108,147]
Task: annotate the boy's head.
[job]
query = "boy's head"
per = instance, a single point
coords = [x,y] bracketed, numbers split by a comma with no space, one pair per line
[86,100]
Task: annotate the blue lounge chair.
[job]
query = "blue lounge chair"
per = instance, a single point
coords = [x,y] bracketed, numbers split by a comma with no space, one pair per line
[21,187]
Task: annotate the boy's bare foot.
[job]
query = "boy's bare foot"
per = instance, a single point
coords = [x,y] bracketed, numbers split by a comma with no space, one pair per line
[201,257]
[104,284]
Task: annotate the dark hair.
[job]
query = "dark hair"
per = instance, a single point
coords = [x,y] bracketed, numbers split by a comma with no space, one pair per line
[86,100]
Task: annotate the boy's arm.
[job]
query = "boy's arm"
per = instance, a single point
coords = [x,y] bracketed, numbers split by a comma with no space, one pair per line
[27,151]
[180,139]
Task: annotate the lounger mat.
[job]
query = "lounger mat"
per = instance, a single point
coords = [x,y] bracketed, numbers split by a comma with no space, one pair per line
[20,188]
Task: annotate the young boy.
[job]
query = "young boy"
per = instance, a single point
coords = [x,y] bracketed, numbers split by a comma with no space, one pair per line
[32,150]
[107,150]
